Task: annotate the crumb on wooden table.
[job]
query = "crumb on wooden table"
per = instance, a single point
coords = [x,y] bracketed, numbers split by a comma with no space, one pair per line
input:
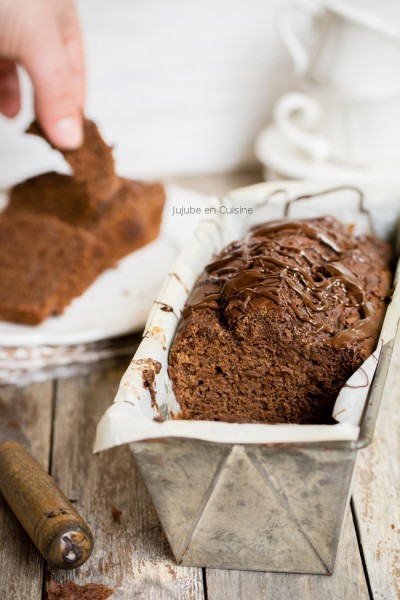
[73,591]
[116,514]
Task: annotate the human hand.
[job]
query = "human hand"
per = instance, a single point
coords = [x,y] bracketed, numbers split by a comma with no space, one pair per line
[44,37]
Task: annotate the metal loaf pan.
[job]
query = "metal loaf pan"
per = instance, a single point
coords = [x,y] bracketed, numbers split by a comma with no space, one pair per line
[264,507]
[253,500]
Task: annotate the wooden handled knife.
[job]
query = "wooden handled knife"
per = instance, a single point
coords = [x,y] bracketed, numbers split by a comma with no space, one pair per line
[55,527]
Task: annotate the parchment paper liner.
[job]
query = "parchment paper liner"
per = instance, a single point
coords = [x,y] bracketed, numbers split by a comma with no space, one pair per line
[138,414]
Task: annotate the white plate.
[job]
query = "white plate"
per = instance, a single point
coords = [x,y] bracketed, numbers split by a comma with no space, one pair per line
[286,161]
[119,300]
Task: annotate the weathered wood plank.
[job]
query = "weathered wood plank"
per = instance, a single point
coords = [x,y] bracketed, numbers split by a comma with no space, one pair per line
[131,553]
[347,582]
[21,566]
[376,494]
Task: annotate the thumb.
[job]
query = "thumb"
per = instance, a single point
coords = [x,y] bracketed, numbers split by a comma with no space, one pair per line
[56,106]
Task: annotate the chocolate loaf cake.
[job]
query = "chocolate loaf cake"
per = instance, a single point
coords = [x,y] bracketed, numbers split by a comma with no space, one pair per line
[93,207]
[278,322]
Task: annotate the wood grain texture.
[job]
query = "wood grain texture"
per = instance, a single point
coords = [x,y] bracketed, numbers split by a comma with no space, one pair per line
[347,583]
[21,566]
[376,494]
[131,554]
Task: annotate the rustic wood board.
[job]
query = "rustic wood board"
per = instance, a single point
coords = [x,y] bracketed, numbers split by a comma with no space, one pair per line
[21,566]
[376,494]
[131,553]
[347,583]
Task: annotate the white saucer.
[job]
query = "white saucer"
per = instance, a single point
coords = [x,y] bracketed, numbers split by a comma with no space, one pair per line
[284,161]
[119,300]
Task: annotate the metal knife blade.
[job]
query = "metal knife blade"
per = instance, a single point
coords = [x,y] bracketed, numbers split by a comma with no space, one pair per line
[10,429]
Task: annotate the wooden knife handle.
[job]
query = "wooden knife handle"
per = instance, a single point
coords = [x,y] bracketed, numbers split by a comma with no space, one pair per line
[48,517]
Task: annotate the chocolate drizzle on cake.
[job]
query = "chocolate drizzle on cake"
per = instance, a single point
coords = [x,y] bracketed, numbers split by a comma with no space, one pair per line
[267,257]
[278,322]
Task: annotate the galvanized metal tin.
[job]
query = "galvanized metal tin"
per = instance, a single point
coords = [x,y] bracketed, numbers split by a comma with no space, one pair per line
[258,507]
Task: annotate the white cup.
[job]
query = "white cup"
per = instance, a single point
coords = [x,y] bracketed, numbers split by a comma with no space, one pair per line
[349,109]
[359,132]
[353,48]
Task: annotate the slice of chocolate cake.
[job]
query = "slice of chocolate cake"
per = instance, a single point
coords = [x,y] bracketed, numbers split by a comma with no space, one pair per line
[111,215]
[278,322]
[129,221]
[44,263]
[92,164]
[52,194]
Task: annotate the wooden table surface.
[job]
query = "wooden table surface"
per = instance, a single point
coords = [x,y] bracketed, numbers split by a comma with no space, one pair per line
[131,553]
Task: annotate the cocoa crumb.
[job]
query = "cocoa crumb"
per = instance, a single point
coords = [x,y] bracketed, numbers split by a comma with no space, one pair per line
[73,591]
[116,515]
[167,308]
[159,419]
